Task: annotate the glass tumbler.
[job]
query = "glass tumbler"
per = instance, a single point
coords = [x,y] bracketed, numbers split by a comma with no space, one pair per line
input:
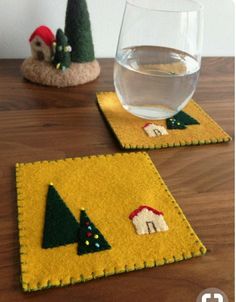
[158,56]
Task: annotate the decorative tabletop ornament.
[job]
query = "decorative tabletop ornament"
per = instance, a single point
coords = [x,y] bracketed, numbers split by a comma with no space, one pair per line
[67,59]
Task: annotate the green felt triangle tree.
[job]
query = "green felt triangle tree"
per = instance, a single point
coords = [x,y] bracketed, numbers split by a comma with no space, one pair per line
[62,58]
[78,31]
[90,238]
[60,227]
[180,121]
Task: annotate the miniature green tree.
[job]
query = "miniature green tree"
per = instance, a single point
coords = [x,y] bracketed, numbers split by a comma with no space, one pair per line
[60,227]
[180,121]
[90,239]
[62,58]
[78,31]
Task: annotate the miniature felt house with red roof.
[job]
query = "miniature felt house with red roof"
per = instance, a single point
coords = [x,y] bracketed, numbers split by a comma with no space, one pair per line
[148,220]
[41,42]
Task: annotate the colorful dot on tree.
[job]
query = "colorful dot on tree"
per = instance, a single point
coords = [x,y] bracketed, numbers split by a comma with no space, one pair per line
[87,242]
[96,236]
[88,234]
[97,245]
[90,228]
[87,223]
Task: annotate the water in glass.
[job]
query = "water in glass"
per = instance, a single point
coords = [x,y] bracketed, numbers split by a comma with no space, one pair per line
[155,82]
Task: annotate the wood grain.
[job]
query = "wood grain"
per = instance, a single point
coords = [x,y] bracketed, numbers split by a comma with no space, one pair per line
[39,123]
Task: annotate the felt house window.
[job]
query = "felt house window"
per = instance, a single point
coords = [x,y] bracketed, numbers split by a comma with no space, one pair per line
[148,220]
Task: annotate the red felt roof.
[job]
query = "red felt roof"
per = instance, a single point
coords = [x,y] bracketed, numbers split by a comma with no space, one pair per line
[147,125]
[135,212]
[44,33]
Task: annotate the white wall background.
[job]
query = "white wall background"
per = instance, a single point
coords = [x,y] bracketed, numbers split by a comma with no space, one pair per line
[18,19]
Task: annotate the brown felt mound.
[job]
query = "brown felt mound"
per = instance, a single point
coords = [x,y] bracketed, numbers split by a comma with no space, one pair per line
[44,73]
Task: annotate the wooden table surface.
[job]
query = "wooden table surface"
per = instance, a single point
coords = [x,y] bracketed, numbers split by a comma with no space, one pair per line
[38,123]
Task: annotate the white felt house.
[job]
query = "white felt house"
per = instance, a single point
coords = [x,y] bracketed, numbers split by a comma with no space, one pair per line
[153,130]
[148,220]
[41,42]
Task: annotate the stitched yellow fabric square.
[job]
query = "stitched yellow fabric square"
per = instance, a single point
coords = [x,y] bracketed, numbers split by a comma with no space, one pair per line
[131,135]
[111,188]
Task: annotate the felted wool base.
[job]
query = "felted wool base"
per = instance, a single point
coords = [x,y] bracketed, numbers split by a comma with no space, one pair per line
[130,133]
[110,188]
[44,73]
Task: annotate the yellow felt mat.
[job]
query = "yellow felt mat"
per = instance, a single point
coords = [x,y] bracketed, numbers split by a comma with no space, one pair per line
[110,188]
[131,135]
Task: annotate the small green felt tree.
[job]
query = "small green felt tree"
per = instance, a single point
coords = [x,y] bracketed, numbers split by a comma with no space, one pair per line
[60,226]
[78,31]
[62,58]
[90,239]
[180,121]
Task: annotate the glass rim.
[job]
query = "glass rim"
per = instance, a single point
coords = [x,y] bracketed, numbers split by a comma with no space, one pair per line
[199,7]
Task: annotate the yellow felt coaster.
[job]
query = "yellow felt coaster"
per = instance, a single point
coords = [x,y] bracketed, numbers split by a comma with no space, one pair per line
[131,135]
[110,188]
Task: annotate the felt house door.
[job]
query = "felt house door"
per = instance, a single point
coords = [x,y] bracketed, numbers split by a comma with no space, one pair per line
[40,55]
[151,227]
[157,132]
